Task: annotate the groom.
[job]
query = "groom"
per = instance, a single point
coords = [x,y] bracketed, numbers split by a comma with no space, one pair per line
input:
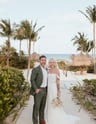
[39,90]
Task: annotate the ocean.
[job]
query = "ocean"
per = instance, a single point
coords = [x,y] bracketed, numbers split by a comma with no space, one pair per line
[58,56]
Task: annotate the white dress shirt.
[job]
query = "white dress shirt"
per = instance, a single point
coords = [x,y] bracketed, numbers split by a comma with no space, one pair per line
[44,83]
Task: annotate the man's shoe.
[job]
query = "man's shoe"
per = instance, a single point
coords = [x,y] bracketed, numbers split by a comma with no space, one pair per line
[42,122]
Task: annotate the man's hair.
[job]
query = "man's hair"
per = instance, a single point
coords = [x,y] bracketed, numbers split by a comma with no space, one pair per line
[42,56]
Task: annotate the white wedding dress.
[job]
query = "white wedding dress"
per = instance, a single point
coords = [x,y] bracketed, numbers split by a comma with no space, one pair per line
[56,115]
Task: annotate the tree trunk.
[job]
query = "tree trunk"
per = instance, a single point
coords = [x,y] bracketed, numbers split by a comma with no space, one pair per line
[8,53]
[29,49]
[28,45]
[94,41]
[92,52]
[7,61]
[20,49]
[33,47]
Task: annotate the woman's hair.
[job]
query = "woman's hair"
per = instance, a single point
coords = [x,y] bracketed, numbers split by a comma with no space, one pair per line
[52,60]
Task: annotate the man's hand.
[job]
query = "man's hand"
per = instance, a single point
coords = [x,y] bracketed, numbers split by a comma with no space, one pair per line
[37,91]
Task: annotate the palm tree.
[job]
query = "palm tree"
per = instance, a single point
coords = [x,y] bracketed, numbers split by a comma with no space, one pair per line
[19,35]
[6,31]
[91,44]
[80,40]
[4,52]
[84,45]
[31,34]
[91,16]
[5,47]
[34,44]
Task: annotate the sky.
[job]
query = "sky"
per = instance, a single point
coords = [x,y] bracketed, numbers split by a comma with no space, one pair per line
[61,18]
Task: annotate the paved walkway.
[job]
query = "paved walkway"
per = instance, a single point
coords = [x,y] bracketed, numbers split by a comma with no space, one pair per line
[70,106]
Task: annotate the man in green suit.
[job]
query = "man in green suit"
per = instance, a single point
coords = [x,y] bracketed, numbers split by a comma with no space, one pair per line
[39,90]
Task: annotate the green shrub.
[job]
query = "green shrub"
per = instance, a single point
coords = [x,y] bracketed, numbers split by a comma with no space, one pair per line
[21,63]
[90,86]
[3,60]
[90,69]
[86,95]
[16,61]
[61,64]
[77,68]
[12,88]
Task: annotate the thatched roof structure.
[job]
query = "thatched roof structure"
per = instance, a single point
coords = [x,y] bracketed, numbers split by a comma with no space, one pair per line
[81,59]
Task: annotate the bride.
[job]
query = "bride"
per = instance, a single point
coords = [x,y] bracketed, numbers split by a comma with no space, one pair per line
[55,112]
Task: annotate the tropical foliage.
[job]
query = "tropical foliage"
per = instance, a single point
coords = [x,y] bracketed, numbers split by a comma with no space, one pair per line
[26,30]
[13,89]
[14,60]
[31,34]
[90,69]
[91,16]
[61,65]
[19,35]
[83,44]
[6,31]
[86,95]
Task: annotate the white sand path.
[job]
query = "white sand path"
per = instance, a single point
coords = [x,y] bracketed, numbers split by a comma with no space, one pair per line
[70,107]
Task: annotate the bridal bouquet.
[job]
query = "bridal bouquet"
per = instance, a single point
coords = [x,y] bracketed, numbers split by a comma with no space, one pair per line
[56,102]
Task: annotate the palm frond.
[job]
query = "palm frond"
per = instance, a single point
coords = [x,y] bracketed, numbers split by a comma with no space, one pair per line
[2,34]
[3,27]
[34,26]
[6,22]
[6,27]
[39,29]
[86,16]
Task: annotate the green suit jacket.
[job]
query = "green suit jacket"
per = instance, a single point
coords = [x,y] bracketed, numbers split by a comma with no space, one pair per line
[36,79]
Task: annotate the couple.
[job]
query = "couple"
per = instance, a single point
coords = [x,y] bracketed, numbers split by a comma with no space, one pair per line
[45,86]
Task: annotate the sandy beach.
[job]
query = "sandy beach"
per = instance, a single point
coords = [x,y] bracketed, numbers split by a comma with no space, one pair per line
[70,107]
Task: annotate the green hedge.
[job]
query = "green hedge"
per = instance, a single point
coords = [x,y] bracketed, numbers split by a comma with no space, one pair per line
[61,65]
[89,86]
[77,68]
[90,69]
[16,62]
[86,95]
[12,88]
